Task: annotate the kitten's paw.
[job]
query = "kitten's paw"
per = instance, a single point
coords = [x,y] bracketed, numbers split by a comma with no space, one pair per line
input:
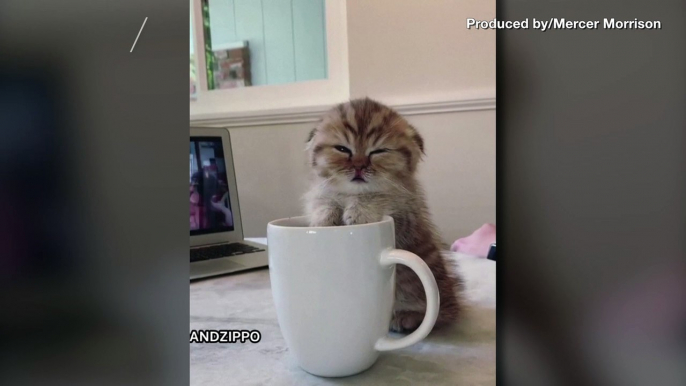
[353,217]
[326,217]
[406,321]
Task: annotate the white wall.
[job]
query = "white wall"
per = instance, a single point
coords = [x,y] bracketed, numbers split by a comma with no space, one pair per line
[405,50]
[399,52]
[271,173]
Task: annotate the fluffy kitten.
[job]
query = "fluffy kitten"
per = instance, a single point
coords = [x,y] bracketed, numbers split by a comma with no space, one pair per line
[363,156]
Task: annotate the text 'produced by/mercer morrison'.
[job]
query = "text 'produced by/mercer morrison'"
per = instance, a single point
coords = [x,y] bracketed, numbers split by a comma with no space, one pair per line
[564,24]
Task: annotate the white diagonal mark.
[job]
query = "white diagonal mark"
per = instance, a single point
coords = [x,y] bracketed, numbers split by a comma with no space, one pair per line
[139,35]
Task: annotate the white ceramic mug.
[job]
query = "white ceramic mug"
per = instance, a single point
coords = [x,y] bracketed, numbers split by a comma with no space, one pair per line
[334,289]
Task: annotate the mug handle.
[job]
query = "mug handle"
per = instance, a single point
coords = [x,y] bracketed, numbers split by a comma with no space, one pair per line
[414,262]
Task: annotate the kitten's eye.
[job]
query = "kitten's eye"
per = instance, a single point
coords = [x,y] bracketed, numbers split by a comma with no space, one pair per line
[379,151]
[343,149]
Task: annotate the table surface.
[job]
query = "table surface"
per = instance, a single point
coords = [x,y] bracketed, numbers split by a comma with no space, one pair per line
[460,355]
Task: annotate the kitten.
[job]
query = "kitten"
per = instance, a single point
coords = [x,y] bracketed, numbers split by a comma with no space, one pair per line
[363,157]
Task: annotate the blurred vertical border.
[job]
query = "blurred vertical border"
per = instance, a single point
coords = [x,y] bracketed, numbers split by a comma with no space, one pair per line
[93,160]
[591,196]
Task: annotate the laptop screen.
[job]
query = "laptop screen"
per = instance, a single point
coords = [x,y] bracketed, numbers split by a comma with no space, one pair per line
[210,205]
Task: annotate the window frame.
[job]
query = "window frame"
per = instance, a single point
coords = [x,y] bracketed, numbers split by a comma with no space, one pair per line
[238,102]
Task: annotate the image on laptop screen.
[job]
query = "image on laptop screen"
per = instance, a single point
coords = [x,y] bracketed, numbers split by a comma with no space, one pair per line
[210,206]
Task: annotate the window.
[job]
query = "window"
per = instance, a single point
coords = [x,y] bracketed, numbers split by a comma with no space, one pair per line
[266,54]
[266,42]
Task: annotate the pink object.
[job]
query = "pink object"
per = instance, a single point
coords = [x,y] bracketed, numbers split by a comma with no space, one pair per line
[478,243]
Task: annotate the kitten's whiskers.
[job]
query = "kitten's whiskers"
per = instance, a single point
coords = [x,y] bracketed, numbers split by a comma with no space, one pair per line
[396,185]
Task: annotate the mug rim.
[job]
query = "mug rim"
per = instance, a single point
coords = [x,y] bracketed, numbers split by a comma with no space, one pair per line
[274,224]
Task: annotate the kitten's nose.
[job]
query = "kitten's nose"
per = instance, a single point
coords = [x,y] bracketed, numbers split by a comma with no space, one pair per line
[359,163]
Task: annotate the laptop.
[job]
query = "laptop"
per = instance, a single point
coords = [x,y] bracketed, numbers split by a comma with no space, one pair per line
[217,245]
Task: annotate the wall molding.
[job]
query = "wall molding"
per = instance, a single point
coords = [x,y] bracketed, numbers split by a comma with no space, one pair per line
[313,113]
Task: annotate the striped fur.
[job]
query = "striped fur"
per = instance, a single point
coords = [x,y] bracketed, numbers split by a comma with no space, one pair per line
[363,156]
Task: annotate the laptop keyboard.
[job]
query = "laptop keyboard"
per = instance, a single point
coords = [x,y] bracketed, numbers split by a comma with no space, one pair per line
[222,250]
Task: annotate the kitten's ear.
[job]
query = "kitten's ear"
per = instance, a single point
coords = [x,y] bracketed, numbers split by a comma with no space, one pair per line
[311,135]
[418,139]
